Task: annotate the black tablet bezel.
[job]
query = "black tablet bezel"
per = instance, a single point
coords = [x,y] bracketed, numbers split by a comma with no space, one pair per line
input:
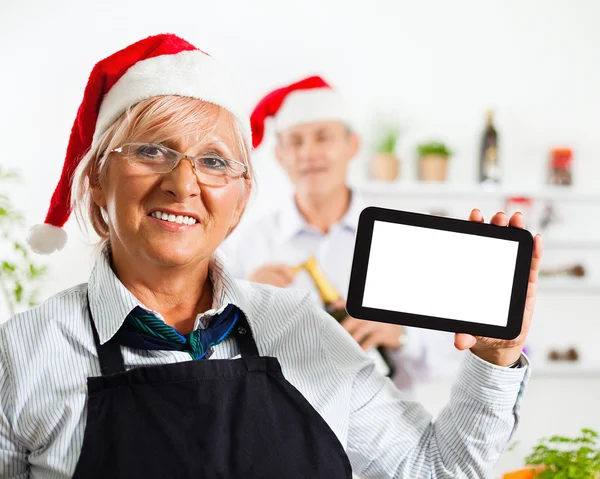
[360,262]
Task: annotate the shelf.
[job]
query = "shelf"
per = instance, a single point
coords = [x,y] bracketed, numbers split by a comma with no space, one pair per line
[546,369]
[562,285]
[469,191]
[571,244]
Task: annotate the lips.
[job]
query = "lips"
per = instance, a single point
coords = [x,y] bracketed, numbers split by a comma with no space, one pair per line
[313,171]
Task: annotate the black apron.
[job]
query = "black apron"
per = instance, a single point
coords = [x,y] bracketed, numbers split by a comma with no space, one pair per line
[221,418]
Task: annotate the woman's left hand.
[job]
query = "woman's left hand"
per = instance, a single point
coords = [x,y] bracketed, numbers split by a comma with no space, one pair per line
[499,351]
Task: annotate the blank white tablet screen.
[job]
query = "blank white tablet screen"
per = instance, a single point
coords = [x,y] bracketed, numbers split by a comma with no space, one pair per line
[440,273]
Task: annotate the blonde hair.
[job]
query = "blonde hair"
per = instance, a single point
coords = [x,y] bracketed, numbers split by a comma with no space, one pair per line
[161,118]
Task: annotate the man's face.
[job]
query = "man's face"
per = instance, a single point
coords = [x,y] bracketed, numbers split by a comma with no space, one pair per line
[316,155]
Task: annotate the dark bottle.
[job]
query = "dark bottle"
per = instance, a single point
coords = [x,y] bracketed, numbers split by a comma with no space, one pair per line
[489,163]
[331,300]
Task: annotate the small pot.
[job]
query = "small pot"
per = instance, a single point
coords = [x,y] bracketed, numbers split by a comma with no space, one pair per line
[433,168]
[385,167]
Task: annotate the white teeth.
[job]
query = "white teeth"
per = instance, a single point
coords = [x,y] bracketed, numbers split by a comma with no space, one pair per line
[179,219]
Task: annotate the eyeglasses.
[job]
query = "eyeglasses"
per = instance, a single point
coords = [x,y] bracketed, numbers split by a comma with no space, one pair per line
[211,169]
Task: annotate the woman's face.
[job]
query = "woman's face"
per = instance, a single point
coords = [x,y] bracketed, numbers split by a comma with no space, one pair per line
[133,198]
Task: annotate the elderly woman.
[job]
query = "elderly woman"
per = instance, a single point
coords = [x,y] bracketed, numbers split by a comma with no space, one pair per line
[162,365]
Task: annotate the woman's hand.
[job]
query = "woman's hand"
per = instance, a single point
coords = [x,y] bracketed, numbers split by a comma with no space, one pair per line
[498,351]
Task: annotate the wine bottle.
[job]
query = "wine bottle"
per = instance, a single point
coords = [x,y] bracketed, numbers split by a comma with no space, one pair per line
[331,300]
[489,164]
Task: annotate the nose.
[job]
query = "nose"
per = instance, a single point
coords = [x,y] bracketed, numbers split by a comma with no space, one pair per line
[181,183]
[307,153]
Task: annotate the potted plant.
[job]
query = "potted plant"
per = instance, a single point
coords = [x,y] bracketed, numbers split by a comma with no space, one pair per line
[385,165]
[433,161]
[19,276]
[562,457]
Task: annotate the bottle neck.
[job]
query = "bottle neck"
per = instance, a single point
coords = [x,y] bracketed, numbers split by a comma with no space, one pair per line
[490,120]
[326,289]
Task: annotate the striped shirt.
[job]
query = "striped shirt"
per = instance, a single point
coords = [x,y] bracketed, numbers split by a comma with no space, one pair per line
[47,353]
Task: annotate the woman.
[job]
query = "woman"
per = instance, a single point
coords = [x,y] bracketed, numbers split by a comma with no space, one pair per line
[161,152]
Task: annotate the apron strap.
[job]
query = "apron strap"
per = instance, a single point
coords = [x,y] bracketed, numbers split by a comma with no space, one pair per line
[109,353]
[244,337]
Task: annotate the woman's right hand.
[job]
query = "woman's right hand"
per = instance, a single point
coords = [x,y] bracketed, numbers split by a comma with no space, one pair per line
[280,275]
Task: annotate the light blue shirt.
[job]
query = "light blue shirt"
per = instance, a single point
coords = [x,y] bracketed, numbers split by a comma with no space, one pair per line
[284,236]
[47,353]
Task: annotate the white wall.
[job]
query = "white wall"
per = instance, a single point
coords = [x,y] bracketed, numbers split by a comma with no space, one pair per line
[433,65]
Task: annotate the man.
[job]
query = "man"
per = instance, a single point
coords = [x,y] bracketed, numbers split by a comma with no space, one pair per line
[315,144]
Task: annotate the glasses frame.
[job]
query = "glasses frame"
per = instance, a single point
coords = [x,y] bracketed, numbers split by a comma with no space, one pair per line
[181,156]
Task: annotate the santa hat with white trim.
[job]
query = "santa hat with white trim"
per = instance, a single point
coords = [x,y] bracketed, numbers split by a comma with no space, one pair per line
[156,66]
[306,101]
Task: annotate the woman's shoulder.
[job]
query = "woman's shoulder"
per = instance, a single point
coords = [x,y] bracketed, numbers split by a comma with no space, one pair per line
[60,307]
[278,309]
[264,297]
[289,323]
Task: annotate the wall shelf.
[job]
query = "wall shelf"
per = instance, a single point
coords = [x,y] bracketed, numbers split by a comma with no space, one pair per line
[576,369]
[574,285]
[572,243]
[468,191]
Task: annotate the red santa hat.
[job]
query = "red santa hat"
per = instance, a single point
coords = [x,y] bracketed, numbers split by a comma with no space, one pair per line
[306,101]
[156,66]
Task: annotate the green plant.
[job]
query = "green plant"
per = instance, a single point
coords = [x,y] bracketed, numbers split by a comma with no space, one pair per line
[19,276]
[433,148]
[568,458]
[387,141]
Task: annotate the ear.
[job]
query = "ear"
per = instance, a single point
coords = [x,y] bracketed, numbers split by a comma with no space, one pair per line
[97,191]
[354,144]
[279,153]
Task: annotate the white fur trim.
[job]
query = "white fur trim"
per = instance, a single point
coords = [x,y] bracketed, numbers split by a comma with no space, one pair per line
[190,73]
[308,106]
[45,238]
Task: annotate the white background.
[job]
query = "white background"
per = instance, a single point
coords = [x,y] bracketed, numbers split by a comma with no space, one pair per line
[440,273]
[433,65]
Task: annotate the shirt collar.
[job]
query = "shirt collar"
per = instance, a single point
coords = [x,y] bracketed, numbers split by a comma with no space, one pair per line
[110,301]
[350,219]
[292,222]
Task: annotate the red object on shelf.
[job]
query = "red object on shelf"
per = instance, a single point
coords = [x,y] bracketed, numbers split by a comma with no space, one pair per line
[513,204]
[561,162]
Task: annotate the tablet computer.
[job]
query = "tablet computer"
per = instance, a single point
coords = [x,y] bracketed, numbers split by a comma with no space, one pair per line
[439,273]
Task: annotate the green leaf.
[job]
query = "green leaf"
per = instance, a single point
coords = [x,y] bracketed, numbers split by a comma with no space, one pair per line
[577,457]
[18,291]
[433,148]
[8,267]
[387,140]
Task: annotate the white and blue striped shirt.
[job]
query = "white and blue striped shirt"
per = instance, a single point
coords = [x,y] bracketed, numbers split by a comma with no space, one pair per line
[47,353]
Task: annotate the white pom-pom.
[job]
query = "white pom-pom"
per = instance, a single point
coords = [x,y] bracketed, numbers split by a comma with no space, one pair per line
[45,238]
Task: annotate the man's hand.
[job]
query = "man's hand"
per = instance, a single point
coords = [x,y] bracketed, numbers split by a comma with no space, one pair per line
[370,334]
[280,275]
[498,351]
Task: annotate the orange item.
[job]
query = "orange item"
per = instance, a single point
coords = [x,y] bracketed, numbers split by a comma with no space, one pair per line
[527,473]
